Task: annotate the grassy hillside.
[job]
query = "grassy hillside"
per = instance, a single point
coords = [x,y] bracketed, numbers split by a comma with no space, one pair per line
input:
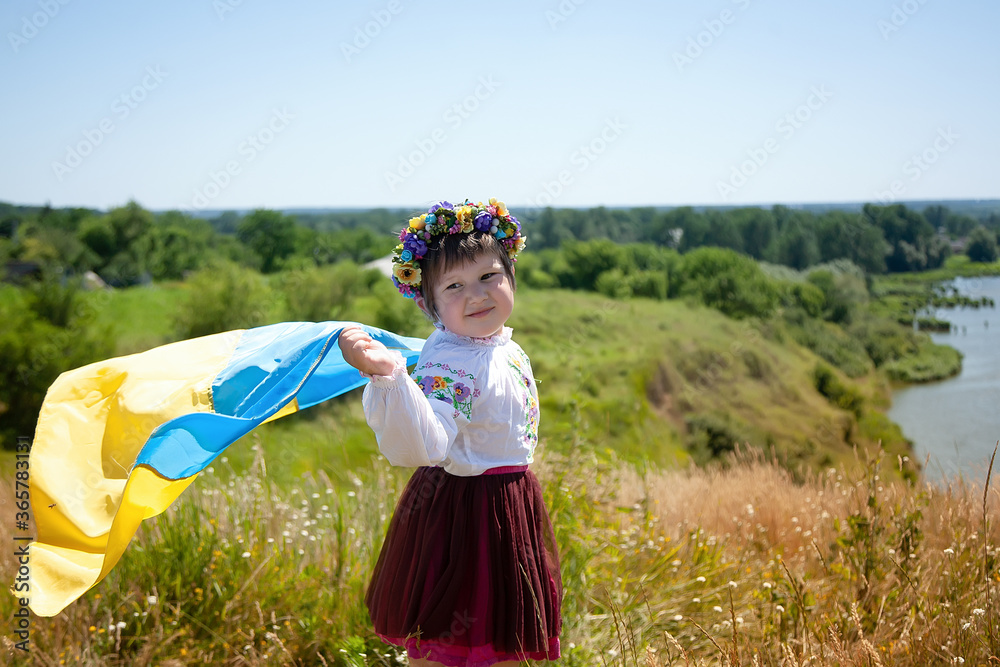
[661,382]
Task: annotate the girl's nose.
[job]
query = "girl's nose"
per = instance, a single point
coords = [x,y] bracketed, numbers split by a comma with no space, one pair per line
[479,291]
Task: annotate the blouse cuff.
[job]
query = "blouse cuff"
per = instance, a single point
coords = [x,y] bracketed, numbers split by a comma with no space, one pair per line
[390,380]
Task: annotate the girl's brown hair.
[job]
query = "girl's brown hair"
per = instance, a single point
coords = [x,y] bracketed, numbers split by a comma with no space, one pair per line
[455,249]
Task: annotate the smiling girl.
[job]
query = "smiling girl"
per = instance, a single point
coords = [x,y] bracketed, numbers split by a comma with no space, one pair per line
[468,574]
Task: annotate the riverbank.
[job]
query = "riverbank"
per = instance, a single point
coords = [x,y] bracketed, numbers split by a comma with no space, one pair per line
[954,424]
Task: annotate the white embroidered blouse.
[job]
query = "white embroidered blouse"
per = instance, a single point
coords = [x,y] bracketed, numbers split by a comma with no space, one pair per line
[471,405]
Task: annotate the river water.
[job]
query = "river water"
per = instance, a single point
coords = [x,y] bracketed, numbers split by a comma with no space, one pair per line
[955,423]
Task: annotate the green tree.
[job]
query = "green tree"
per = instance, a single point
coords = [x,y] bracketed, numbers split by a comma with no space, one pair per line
[908,234]
[270,234]
[981,245]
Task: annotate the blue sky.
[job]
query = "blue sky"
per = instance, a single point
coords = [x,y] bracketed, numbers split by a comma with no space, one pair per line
[237,104]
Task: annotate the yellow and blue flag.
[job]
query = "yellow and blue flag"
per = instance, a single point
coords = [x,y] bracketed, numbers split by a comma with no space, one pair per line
[119,440]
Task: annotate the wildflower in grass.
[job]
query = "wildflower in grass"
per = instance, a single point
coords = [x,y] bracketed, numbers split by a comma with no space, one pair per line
[767,584]
[779,609]
[700,580]
[246,554]
[978,612]
[679,617]
[717,609]
[696,600]
[949,551]
[732,584]
[151,599]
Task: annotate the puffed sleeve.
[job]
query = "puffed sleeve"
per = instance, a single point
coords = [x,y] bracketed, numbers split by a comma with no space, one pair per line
[417,419]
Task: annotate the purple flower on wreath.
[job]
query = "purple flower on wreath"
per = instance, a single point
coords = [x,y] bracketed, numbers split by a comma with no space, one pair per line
[483,221]
[461,392]
[415,245]
[425,384]
[440,204]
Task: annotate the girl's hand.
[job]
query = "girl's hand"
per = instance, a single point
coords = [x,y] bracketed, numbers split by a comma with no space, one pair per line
[368,356]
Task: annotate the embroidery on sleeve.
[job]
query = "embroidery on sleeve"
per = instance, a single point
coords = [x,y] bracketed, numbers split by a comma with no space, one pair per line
[456,391]
[519,364]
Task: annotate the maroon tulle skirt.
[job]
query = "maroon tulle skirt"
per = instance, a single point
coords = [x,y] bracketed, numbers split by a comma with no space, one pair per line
[468,575]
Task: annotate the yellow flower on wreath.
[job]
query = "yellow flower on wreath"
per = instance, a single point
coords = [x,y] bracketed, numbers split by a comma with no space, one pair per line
[407,273]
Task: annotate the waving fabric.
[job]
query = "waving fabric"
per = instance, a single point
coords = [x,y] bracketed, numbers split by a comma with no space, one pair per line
[119,440]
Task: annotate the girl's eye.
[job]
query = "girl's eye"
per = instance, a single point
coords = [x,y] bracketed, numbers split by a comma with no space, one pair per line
[453,286]
[487,276]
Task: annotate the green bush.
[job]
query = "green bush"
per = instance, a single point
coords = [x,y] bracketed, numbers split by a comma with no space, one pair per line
[809,298]
[321,294]
[652,284]
[829,342]
[712,436]
[34,349]
[614,284]
[730,282]
[830,386]
[223,298]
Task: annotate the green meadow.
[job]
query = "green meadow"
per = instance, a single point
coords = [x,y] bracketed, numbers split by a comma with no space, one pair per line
[721,495]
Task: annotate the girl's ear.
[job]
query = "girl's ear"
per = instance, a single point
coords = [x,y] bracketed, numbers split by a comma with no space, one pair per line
[418,298]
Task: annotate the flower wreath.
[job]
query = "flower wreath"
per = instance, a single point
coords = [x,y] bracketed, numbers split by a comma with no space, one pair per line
[443,218]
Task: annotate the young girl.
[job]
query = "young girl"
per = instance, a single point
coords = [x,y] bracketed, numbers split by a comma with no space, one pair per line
[469,573]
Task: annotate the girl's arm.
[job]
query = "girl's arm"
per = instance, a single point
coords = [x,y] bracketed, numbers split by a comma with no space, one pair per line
[411,430]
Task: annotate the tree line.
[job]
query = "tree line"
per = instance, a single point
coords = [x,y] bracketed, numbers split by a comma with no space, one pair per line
[129,244]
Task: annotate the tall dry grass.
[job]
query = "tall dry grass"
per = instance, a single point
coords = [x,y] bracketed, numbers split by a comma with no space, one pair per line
[738,565]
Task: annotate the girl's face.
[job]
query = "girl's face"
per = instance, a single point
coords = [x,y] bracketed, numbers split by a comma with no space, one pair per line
[474,299]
